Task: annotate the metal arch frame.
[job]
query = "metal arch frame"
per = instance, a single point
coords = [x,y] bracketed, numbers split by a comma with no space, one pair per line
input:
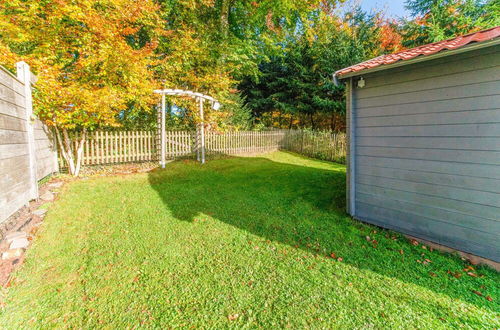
[200,98]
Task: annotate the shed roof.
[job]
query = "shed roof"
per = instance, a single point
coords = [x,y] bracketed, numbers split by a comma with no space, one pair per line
[386,61]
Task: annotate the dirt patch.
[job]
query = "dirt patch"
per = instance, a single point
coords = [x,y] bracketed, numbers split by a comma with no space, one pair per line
[118,169]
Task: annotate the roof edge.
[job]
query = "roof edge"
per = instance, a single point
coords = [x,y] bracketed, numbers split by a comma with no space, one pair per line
[421,58]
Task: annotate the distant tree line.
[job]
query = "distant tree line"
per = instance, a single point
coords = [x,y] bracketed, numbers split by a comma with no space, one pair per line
[295,87]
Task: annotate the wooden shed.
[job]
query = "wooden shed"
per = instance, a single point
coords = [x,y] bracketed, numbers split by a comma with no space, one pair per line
[424,142]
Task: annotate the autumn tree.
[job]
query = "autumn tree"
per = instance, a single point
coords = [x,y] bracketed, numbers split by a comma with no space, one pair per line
[87,55]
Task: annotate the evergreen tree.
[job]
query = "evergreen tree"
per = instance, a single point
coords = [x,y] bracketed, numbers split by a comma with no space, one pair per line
[298,84]
[436,20]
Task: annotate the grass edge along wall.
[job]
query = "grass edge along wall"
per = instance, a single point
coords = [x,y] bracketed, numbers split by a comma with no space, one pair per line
[424,150]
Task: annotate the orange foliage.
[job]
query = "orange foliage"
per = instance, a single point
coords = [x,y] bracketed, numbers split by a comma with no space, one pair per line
[390,39]
[87,70]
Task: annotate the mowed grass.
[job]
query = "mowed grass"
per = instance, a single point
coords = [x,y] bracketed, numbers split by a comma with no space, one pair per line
[237,242]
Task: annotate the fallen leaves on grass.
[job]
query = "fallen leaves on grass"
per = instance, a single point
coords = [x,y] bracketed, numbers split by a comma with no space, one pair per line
[233,317]
[481,295]
[373,241]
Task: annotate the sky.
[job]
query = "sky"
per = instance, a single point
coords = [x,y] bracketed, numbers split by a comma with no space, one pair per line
[394,8]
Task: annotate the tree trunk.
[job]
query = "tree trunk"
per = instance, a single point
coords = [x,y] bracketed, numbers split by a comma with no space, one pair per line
[333,122]
[291,122]
[79,152]
[311,116]
[65,145]
[224,16]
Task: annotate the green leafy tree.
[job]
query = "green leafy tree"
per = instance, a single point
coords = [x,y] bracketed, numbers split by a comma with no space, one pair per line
[298,84]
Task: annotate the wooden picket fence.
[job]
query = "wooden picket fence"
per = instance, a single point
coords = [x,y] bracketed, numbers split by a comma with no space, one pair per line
[323,145]
[179,144]
[243,142]
[110,147]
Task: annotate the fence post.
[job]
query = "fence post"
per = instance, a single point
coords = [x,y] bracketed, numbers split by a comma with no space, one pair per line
[24,75]
[202,132]
[162,160]
[302,141]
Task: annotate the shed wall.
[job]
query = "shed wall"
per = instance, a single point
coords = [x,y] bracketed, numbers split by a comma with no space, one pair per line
[427,151]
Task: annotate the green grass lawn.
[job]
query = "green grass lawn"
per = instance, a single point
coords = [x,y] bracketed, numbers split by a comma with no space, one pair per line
[238,242]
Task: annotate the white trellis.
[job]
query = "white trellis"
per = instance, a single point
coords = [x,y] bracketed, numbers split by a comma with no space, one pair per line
[201,98]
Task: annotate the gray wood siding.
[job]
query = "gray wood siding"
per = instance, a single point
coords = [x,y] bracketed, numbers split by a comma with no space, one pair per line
[45,151]
[15,179]
[427,150]
[14,158]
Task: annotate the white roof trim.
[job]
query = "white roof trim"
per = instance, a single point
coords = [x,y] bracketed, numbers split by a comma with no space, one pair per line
[181,92]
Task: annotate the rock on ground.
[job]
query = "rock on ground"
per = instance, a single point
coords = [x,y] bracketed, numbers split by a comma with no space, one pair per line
[15,253]
[40,212]
[15,235]
[56,184]
[19,243]
[47,196]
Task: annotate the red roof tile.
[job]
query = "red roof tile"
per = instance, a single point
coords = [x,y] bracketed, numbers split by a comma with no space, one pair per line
[424,50]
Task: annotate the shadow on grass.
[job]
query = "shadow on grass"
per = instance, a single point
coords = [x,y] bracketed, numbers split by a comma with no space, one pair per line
[302,205]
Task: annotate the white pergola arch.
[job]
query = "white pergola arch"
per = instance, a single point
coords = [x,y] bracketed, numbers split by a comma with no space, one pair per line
[201,98]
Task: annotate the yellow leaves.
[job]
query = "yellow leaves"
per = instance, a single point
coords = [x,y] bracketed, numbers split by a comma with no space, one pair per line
[87,70]
[7,58]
